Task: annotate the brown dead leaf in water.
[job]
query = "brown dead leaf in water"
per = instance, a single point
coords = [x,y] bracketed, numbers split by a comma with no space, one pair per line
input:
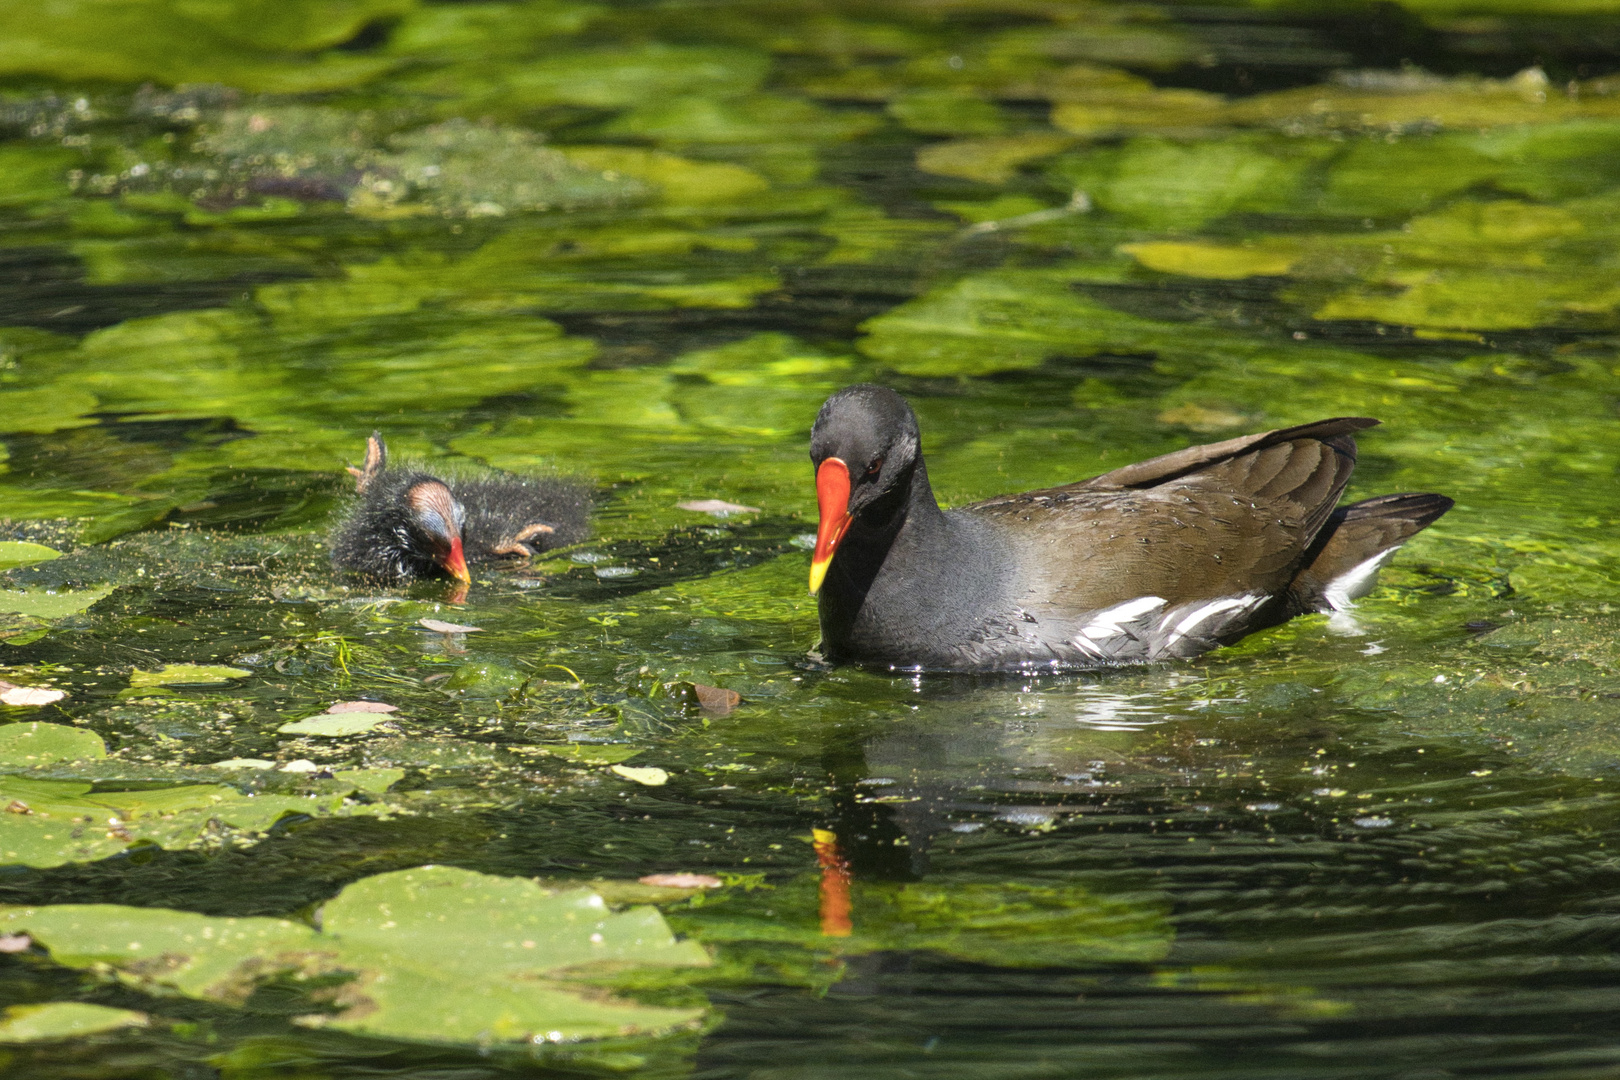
[717,507]
[682,881]
[15,943]
[30,695]
[716,699]
[448,627]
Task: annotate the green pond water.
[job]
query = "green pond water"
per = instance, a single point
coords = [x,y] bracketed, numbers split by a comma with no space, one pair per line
[640,243]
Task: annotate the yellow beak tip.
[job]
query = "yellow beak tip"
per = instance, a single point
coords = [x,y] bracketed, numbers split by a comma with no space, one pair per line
[818,574]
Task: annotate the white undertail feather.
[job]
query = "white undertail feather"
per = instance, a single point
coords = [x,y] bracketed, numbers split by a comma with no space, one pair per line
[1358,581]
[1234,605]
[1109,622]
[1097,638]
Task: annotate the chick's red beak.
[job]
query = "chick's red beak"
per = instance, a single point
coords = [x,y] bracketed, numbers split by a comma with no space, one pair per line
[455,563]
[832,499]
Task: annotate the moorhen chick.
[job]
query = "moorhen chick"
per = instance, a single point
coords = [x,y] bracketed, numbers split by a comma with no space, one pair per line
[1163,559]
[406,523]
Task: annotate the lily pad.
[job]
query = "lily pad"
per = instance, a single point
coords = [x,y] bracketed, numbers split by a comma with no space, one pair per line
[335,725]
[1209,260]
[372,781]
[463,953]
[993,160]
[681,181]
[261,46]
[15,553]
[593,753]
[44,409]
[36,743]
[435,954]
[64,1020]
[186,675]
[47,604]
[650,776]
[51,822]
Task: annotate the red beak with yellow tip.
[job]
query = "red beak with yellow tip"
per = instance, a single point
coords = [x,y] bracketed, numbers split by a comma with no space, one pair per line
[455,562]
[832,499]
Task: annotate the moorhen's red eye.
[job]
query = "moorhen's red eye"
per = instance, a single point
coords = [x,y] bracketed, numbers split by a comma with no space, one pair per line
[874,467]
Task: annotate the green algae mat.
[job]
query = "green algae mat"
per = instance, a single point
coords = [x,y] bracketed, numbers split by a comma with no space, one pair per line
[606,814]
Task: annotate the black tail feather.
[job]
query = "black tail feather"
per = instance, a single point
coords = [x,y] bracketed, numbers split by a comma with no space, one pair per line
[1343,562]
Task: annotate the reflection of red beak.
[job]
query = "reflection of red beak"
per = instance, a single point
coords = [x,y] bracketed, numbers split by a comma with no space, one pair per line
[832,499]
[455,563]
[835,905]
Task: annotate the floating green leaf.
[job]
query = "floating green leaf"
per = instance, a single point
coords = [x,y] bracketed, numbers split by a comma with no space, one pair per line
[1003,320]
[250,43]
[15,553]
[110,526]
[592,753]
[1171,184]
[51,822]
[612,77]
[463,951]
[990,161]
[64,1020]
[48,604]
[44,408]
[434,954]
[334,725]
[374,781]
[681,181]
[934,112]
[755,118]
[36,743]
[648,776]
[186,675]
[1416,100]
[482,32]
[1210,260]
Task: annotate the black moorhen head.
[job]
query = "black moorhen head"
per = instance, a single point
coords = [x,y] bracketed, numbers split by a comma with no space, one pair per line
[407,523]
[1162,559]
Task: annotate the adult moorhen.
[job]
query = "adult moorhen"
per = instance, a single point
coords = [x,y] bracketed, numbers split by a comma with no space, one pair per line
[406,523]
[1165,558]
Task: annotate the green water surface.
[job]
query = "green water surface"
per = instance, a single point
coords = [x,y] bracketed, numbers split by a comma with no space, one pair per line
[640,243]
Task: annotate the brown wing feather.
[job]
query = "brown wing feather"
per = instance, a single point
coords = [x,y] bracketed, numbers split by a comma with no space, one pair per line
[1207,522]
[1155,471]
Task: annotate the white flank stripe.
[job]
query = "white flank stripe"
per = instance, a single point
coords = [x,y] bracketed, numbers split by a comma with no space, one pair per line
[1109,622]
[1208,611]
[1356,582]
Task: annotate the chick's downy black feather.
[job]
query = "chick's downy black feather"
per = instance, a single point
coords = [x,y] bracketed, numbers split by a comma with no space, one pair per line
[518,516]
[404,522]
[381,537]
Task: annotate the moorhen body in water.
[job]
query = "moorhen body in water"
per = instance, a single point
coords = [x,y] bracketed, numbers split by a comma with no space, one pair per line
[1166,558]
[407,523]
